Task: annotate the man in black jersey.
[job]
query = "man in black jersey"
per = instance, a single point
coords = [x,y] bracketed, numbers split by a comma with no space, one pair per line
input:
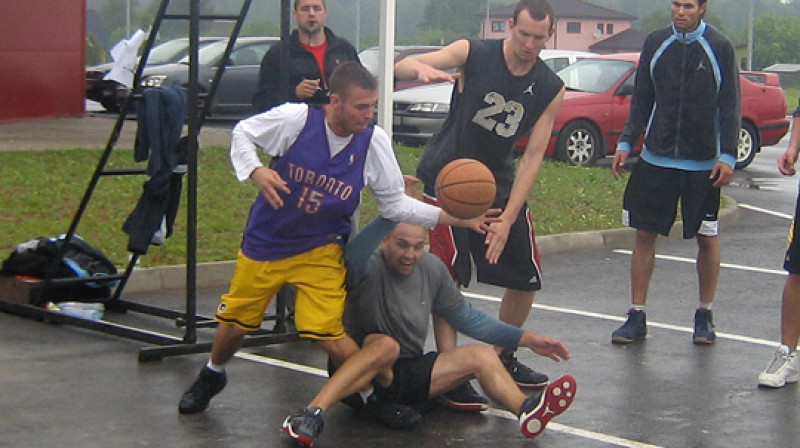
[502,91]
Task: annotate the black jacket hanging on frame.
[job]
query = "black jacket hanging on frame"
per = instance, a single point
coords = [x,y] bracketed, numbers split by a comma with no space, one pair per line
[161,115]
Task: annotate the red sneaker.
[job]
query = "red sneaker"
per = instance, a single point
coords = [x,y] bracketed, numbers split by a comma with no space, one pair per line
[538,410]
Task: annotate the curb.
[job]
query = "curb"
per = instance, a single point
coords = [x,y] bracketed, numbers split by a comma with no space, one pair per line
[219,273]
[621,238]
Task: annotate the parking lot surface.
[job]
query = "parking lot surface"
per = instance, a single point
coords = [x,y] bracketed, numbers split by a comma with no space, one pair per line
[70,387]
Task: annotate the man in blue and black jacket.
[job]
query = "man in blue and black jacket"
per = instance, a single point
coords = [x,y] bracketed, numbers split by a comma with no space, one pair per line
[687,98]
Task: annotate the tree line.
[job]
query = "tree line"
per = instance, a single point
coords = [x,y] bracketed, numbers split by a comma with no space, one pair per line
[438,22]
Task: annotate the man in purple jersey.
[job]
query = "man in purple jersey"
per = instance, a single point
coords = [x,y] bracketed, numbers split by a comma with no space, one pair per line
[322,158]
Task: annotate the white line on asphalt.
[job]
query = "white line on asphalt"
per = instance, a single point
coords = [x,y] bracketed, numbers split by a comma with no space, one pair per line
[765,211]
[562,310]
[283,364]
[724,265]
[618,441]
[591,435]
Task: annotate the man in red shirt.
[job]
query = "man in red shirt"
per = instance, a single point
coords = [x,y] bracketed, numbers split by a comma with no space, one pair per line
[314,51]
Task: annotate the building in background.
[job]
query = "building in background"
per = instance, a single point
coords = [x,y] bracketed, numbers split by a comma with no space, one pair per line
[630,40]
[788,73]
[579,26]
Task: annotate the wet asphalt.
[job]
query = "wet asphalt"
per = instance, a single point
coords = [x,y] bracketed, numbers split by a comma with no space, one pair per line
[62,385]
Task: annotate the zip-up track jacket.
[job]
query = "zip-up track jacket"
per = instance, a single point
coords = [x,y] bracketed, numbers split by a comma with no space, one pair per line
[687,97]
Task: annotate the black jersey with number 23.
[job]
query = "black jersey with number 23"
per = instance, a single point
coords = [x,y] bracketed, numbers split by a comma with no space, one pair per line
[494,109]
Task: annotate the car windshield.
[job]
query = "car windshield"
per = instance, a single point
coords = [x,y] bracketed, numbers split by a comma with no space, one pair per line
[370,59]
[167,52]
[594,75]
[208,54]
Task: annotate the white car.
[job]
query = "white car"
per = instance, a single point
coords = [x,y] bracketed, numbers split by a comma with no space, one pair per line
[418,112]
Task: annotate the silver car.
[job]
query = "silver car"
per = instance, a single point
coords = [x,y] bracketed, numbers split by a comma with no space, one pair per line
[419,112]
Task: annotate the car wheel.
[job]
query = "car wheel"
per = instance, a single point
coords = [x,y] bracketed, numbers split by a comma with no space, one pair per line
[579,144]
[748,145]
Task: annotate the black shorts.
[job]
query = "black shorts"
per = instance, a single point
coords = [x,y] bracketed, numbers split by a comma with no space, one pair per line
[518,267]
[651,200]
[412,380]
[410,386]
[791,261]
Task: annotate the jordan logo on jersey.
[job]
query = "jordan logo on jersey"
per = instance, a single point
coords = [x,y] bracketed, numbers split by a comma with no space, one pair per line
[529,89]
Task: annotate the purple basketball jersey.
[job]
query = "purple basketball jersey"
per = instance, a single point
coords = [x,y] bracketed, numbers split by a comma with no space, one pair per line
[324,194]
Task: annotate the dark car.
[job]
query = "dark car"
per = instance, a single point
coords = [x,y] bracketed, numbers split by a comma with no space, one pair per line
[233,97]
[110,94]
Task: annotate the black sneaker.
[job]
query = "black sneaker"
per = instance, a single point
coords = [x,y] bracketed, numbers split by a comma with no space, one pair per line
[703,328]
[524,376]
[464,397]
[304,425]
[537,410]
[393,415]
[197,397]
[634,329]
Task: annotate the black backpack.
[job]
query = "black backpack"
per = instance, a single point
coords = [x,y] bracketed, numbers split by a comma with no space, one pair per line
[33,258]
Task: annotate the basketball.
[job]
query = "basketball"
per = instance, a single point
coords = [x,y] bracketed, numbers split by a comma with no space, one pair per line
[465,188]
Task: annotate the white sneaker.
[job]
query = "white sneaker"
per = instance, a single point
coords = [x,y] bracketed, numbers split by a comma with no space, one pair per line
[784,368]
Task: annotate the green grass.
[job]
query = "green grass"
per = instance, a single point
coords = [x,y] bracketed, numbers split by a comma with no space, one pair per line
[792,94]
[42,191]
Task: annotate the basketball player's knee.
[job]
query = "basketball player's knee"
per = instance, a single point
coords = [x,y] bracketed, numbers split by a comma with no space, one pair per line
[390,348]
[385,348]
[339,349]
[483,356]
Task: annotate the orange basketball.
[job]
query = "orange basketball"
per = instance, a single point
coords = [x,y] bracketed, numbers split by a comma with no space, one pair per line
[465,188]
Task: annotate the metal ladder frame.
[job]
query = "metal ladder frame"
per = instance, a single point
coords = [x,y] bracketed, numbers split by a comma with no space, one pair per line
[166,345]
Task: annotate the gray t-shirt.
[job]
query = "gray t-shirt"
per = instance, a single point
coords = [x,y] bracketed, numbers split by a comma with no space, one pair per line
[401,306]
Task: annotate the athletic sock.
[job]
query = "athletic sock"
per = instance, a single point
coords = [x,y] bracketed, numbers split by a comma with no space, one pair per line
[214,367]
[705,306]
[366,394]
[637,307]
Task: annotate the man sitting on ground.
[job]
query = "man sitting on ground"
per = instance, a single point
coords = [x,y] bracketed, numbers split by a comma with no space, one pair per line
[391,297]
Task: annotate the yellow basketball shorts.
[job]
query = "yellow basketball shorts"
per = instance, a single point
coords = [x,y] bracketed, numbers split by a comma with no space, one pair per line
[318,276]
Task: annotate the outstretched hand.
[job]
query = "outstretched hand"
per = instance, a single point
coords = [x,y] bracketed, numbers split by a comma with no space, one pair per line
[483,223]
[428,74]
[270,183]
[497,238]
[545,346]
